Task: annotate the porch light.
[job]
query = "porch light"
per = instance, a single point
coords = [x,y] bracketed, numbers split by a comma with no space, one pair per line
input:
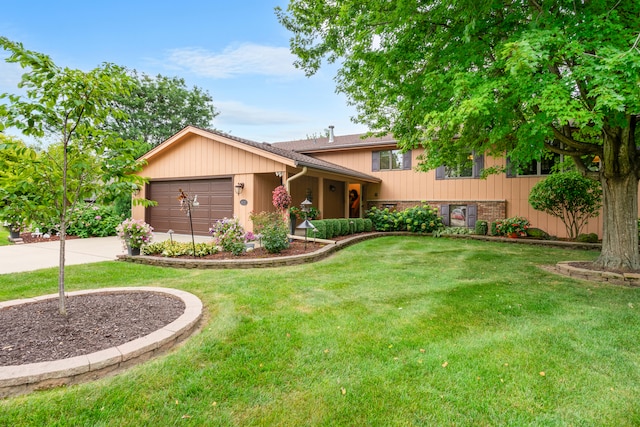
[239,187]
[304,206]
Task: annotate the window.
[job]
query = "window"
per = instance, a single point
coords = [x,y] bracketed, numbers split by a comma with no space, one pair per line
[469,167]
[535,167]
[387,160]
[459,215]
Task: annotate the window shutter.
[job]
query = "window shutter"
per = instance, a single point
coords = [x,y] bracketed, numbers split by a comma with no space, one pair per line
[510,174]
[440,173]
[478,165]
[472,215]
[375,161]
[444,213]
[406,160]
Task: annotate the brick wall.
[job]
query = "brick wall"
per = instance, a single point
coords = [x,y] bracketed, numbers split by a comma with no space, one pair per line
[488,210]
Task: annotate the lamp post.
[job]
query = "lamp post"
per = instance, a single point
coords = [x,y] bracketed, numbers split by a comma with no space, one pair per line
[306,225]
[186,205]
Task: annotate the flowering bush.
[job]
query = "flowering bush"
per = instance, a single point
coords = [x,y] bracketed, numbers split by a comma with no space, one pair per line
[313,213]
[516,225]
[168,248]
[281,198]
[134,233]
[90,220]
[418,219]
[229,234]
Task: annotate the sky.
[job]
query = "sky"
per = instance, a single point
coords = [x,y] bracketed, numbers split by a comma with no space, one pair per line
[236,50]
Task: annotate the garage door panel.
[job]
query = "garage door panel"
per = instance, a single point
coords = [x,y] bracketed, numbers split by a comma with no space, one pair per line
[215,197]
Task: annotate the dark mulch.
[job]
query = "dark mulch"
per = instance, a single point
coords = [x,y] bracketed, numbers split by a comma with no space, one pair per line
[29,238]
[37,332]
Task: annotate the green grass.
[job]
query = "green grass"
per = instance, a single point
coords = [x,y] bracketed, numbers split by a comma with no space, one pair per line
[4,236]
[392,331]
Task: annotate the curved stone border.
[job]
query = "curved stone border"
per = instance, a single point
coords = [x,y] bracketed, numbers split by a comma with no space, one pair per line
[21,379]
[321,253]
[565,268]
[324,252]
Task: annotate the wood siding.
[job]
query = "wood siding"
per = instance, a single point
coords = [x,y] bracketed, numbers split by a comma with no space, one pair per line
[411,187]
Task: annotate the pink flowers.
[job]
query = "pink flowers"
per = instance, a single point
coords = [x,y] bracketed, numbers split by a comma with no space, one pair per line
[281,198]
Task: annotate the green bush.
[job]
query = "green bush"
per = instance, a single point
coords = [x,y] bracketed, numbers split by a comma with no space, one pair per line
[345,227]
[321,226]
[418,219]
[229,234]
[538,233]
[335,227]
[481,227]
[359,224]
[174,249]
[494,228]
[91,220]
[588,238]
[368,225]
[275,237]
[451,231]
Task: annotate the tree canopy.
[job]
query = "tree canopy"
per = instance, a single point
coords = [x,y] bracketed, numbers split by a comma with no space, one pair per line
[518,77]
[157,107]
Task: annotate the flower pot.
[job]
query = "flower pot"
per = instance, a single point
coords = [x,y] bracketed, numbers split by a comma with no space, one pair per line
[14,234]
[133,251]
[512,235]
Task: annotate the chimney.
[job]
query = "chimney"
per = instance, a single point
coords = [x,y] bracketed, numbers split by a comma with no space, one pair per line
[331,136]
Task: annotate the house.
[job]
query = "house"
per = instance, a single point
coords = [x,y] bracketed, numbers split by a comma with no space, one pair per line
[341,175]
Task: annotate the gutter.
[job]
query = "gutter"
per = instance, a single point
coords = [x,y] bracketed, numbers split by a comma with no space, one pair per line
[296,176]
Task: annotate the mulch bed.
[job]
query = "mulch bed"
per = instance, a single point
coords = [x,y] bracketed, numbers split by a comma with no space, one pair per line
[296,247]
[37,332]
[29,238]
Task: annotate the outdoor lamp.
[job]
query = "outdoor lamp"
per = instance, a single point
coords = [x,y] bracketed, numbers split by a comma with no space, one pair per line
[304,206]
[239,187]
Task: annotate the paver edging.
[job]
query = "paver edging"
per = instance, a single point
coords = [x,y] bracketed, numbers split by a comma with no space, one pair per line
[21,379]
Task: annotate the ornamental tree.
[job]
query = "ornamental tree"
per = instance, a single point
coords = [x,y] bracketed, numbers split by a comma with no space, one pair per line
[69,107]
[518,77]
[569,196]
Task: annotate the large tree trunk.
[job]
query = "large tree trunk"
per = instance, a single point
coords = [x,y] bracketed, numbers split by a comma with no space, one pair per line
[620,199]
[620,221]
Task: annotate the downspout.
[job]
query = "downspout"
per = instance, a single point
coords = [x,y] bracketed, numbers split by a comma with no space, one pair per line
[296,176]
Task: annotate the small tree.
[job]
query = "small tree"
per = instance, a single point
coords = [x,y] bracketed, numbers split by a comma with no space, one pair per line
[569,196]
[70,106]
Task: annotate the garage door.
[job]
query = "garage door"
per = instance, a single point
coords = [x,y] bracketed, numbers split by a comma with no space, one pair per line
[214,195]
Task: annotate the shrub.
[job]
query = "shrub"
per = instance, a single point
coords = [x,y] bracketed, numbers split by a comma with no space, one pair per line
[538,233]
[588,238]
[368,225]
[229,234]
[345,227]
[451,231]
[173,249]
[359,225]
[321,226]
[494,228]
[514,225]
[274,236]
[481,227]
[422,219]
[335,227]
[569,196]
[418,219]
[90,220]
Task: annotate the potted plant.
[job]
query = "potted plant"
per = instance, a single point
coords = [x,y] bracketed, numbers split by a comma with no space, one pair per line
[512,227]
[134,234]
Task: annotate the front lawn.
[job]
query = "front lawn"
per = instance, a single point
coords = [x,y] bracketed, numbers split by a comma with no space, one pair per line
[4,236]
[391,331]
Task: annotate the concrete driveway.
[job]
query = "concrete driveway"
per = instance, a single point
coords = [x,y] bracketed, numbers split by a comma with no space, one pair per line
[34,256]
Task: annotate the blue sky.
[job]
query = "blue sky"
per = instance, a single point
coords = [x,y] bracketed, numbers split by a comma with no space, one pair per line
[234,49]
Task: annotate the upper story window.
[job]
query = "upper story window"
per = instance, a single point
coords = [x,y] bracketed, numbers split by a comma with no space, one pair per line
[535,167]
[469,167]
[387,160]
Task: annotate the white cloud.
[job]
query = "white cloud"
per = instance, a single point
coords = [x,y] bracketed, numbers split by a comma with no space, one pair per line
[237,113]
[247,58]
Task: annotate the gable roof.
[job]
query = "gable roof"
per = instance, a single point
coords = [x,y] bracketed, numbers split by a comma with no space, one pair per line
[342,142]
[282,154]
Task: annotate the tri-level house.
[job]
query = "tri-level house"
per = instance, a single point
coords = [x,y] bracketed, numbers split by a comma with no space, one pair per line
[342,176]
